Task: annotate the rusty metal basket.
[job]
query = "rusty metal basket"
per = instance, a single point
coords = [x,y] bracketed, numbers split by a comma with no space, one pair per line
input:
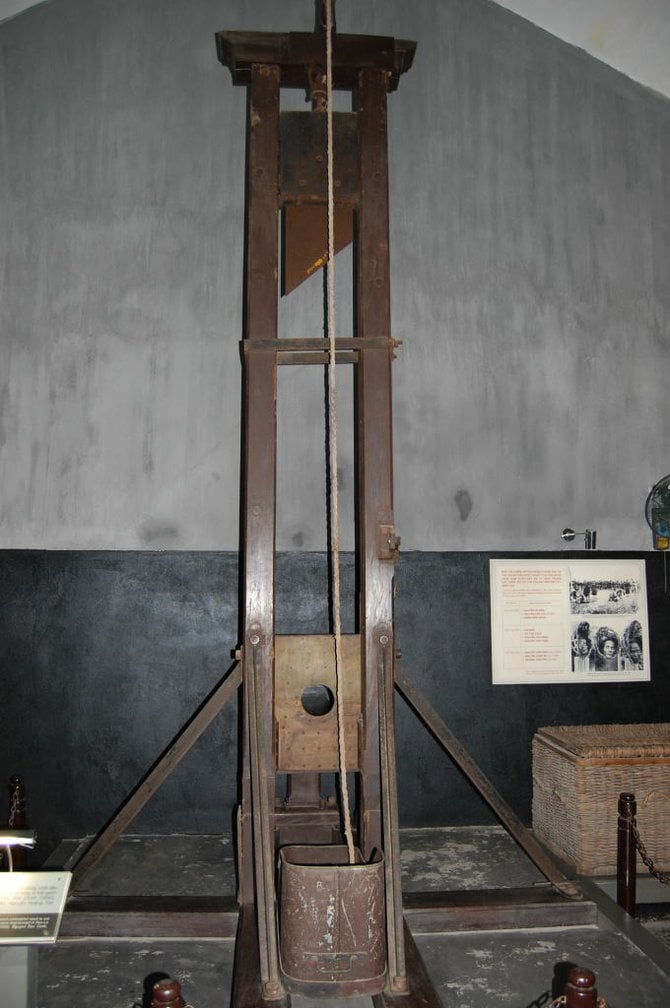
[332,924]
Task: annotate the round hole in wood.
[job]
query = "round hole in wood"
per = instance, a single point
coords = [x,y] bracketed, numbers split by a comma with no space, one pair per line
[317,699]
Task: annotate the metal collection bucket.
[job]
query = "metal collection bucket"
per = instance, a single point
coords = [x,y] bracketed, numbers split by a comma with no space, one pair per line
[332,931]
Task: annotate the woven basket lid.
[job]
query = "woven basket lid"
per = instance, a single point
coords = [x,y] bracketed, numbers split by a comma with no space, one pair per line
[610,740]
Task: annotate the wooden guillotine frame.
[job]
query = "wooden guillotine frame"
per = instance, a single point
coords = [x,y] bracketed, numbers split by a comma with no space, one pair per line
[287,177]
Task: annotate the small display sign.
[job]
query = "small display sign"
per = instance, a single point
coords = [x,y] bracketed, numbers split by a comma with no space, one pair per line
[31,905]
[573,621]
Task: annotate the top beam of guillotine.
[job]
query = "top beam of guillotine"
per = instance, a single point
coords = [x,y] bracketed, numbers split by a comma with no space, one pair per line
[292,52]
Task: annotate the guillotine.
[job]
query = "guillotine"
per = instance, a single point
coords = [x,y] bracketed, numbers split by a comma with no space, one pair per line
[336,925]
[330,921]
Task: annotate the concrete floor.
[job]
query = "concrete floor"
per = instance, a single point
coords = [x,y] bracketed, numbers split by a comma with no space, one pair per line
[512,968]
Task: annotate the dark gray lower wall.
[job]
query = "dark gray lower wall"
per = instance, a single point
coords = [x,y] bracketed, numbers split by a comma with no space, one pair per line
[105,655]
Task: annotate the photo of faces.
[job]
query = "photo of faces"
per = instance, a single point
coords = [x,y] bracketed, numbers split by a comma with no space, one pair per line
[601,648]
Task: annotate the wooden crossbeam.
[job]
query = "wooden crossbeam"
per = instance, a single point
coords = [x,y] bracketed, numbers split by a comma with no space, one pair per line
[509,819]
[163,767]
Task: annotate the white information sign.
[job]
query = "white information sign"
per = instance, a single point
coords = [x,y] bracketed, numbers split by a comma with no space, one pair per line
[569,622]
[31,905]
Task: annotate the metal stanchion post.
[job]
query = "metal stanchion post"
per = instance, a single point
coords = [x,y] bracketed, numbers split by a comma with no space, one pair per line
[626,853]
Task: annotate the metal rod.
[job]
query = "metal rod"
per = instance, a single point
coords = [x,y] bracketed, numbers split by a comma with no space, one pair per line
[394,916]
[263,836]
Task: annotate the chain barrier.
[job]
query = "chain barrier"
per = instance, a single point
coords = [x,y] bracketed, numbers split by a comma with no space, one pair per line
[138,1004]
[642,851]
[562,1000]
[16,806]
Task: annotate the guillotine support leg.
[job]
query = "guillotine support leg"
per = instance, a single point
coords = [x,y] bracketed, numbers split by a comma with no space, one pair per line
[258,520]
[265,62]
[379,817]
[147,787]
[523,836]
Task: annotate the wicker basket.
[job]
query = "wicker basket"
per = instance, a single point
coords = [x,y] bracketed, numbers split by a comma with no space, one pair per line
[578,774]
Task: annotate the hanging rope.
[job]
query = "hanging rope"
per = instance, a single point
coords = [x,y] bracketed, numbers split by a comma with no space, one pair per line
[332,445]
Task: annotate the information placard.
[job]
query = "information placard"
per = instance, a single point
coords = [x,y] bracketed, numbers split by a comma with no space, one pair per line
[569,622]
[31,905]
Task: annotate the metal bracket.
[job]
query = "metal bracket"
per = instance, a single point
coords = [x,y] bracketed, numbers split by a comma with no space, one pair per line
[389,543]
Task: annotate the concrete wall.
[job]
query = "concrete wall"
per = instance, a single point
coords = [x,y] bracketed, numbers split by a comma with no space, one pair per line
[530,188]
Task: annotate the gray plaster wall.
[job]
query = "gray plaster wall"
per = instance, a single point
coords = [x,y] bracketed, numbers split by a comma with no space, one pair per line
[530,188]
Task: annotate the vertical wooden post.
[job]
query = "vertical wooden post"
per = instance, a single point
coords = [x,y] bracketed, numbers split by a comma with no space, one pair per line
[266,62]
[378,543]
[580,990]
[373,396]
[259,509]
[626,853]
